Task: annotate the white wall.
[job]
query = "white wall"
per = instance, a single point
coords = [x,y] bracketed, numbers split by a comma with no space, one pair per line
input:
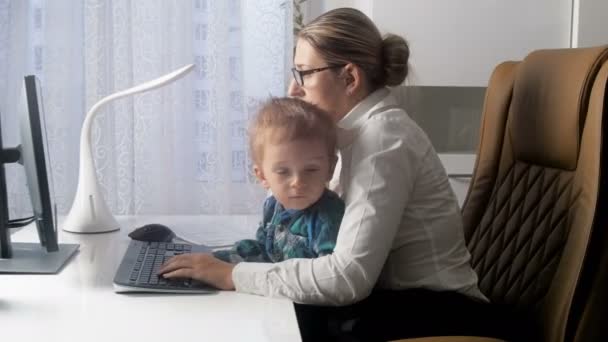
[458,43]
[591,23]
[364,6]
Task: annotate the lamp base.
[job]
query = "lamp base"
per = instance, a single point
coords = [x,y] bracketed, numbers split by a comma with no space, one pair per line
[84,219]
[90,229]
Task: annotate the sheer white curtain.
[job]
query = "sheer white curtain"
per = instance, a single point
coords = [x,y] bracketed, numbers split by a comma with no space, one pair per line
[181,149]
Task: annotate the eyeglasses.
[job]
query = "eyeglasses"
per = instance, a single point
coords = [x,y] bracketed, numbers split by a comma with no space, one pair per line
[298,75]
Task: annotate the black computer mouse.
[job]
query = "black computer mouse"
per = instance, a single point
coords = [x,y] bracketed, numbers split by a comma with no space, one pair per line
[153,232]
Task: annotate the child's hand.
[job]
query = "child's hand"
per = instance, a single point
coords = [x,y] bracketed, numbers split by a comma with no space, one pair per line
[200,266]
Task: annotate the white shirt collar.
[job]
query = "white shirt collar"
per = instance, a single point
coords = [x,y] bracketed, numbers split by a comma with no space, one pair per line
[348,126]
[355,118]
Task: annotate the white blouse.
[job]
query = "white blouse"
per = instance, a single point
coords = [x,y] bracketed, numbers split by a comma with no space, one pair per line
[402,226]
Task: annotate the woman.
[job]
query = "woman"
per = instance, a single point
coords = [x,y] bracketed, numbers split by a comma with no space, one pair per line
[401,242]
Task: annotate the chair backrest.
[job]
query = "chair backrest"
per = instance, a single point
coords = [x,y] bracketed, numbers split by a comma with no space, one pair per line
[532,209]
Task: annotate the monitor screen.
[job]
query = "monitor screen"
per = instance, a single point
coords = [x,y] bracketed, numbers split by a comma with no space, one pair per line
[47,256]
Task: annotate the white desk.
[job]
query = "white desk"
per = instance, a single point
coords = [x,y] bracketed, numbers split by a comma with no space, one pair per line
[79,304]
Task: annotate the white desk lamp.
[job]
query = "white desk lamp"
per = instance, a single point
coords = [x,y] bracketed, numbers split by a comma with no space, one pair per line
[89,213]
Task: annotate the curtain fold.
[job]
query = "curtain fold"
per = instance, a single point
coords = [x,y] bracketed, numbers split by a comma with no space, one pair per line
[181,149]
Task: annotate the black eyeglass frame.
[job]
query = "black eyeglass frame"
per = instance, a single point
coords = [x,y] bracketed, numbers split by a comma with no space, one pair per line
[298,75]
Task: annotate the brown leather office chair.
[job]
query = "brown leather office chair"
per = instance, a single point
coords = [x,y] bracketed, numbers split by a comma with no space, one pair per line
[535,214]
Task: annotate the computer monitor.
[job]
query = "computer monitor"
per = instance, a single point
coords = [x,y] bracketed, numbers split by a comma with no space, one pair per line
[47,256]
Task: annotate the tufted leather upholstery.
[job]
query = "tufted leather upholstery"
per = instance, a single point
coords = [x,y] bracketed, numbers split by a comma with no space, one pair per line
[533,219]
[528,245]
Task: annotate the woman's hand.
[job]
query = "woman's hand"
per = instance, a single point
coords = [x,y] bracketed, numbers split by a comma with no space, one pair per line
[200,266]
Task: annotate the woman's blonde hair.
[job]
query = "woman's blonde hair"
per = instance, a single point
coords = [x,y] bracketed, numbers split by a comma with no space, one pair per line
[289,119]
[346,35]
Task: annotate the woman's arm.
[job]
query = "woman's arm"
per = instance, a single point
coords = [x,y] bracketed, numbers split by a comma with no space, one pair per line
[201,266]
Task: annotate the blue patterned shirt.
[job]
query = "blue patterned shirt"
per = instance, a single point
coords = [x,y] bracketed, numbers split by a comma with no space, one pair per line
[290,233]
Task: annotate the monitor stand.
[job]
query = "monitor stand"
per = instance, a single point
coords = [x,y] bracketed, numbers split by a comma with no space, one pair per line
[31,258]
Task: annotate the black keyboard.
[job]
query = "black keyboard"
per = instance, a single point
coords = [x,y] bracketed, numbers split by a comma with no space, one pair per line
[138,271]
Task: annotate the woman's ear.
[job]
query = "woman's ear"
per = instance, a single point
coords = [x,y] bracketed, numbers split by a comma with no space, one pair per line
[259,174]
[353,77]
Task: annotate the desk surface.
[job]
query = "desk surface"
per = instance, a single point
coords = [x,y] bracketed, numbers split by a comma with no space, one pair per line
[79,303]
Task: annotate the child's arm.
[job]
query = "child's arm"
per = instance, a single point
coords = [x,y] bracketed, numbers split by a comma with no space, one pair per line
[243,250]
[251,250]
[327,224]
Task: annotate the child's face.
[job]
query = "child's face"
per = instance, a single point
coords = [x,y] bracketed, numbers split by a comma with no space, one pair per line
[295,171]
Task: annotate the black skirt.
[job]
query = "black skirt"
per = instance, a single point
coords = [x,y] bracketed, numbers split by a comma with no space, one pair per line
[389,315]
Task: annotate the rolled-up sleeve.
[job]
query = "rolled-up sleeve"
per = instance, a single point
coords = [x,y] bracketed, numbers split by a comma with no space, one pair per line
[382,173]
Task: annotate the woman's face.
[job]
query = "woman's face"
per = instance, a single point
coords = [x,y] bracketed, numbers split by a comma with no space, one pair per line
[324,88]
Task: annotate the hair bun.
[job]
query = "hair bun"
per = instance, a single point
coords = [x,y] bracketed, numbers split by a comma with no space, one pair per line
[395,55]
